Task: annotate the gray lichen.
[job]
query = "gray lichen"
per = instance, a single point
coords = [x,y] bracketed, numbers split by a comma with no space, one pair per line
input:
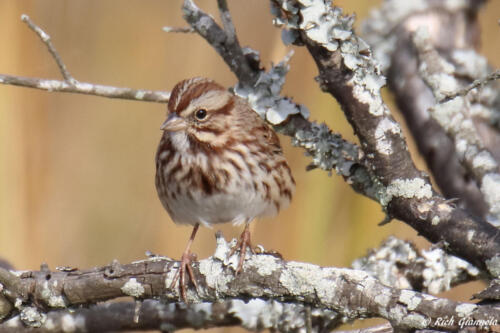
[438,271]
[328,150]
[264,96]
[493,265]
[32,317]
[258,314]
[406,188]
[133,288]
[383,262]
[442,270]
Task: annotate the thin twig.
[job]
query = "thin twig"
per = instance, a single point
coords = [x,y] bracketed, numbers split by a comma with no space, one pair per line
[86,88]
[45,38]
[185,30]
[477,83]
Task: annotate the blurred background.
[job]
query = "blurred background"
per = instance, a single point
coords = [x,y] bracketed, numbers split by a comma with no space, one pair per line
[77,172]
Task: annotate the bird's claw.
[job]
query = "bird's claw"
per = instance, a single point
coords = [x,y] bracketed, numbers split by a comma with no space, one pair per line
[244,242]
[185,265]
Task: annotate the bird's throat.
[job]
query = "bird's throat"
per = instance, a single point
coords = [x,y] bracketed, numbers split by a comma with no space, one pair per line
[180,141]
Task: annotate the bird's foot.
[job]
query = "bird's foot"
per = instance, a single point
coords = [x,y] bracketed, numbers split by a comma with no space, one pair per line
[185,267]
[242,245]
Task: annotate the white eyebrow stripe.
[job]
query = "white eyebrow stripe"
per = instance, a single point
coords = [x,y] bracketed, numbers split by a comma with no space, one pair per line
[211,100]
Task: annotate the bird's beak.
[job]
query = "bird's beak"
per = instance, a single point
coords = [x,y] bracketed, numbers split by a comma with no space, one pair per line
[174,123]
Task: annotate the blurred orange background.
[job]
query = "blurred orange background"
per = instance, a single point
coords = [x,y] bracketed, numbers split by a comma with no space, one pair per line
[77,172]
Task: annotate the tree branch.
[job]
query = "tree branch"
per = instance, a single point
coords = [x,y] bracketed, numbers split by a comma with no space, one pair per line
[348,72]
[86,88]
[454,116]
[70,84]
[45,38]
[157,315]
[400,264]
[350,293]
[388,31]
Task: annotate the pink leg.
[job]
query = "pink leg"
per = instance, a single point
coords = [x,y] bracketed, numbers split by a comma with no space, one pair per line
[185,265]
[242,245]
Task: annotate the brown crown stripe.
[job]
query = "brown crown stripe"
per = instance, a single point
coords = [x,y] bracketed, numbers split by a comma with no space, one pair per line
[181,88]
[196,90]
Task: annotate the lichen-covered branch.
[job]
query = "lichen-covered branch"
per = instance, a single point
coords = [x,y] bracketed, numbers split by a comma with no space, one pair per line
[350,294]
[400,264]
[152,314]
[455,116]
[349,73]
[453,26]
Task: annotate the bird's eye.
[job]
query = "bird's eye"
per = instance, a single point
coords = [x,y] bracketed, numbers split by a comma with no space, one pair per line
[201,114]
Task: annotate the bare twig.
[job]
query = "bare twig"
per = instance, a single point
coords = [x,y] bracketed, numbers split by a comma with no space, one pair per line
[476,84]
[86,88]
[185,30]
[45,38]
[72,85]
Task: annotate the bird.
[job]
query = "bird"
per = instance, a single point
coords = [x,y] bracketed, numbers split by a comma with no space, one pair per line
[217,162]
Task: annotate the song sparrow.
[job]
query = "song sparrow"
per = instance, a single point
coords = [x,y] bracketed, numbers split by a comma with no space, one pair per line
[217,162]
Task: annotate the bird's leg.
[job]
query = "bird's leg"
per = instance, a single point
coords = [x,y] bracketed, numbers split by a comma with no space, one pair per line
[185,265]
[242,245]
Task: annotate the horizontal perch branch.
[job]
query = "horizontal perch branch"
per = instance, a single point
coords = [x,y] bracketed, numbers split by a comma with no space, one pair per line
[352,294]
